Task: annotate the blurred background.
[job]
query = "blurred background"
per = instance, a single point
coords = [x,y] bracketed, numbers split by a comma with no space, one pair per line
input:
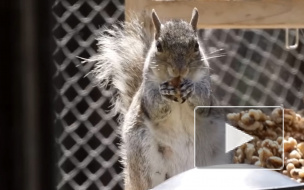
[56,131]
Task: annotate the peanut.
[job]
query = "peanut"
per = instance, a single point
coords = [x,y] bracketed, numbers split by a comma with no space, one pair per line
[295,154]
[300,148]
[289,167]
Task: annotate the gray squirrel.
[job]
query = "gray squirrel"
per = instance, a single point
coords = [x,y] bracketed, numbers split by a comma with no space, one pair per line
[159,82]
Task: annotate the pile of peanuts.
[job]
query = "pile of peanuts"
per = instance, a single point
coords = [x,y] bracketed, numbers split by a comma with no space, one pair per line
[265,150]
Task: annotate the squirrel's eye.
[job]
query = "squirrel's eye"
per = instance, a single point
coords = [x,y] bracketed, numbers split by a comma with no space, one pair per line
[196,47]
[159,46]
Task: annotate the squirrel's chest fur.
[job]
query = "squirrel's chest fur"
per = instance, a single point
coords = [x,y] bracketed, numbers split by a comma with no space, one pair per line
[172,149]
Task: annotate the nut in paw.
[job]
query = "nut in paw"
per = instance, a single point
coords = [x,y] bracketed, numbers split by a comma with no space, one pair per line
[168,91]
[186,89]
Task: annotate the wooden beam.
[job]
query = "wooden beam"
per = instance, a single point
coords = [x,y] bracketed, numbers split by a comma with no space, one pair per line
[227,13]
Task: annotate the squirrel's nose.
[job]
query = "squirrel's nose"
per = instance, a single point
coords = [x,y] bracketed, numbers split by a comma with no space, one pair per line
[178,71]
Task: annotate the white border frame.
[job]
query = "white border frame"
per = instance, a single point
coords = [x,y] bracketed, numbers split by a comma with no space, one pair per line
[208,167]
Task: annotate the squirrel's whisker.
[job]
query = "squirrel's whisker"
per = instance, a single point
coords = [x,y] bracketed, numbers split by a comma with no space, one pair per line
[211,57]
[84,60]
[199,67]
[215,51]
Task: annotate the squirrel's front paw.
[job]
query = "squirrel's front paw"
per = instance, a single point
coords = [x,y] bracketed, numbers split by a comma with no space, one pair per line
[168,91]
[186,89]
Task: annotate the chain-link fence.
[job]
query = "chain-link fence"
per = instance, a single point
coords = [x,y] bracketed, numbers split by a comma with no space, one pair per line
[85,132]
[257,70]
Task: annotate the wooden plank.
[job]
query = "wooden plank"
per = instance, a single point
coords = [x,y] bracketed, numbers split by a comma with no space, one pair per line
[227,14]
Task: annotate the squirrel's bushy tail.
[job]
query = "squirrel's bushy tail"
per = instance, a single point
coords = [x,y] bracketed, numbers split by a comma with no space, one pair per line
[120,60]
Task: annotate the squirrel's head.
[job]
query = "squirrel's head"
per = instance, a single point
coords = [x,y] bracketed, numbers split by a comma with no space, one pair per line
[176,50]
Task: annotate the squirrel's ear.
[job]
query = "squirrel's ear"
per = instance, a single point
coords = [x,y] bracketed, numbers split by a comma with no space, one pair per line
[194,19]
[156,23]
